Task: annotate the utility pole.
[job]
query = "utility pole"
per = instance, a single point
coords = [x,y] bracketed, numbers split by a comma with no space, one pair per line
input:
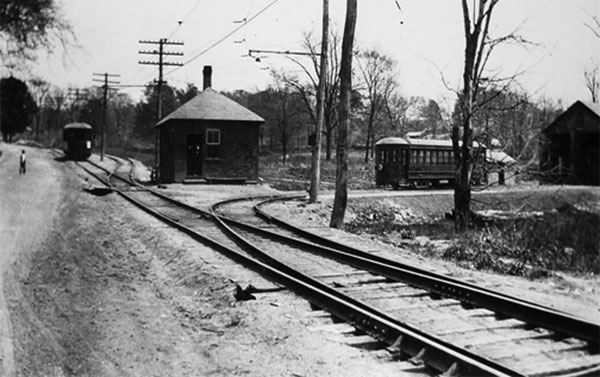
[161,63]
[104,106]
[315,176]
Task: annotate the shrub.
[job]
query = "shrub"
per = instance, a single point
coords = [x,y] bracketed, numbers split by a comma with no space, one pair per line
[566,240]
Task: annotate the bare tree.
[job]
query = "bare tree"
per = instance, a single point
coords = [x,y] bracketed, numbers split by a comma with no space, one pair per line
[55,100]
[476,80]
[594,25]
[478,47]
[39,88]
[592,79]
[379,83]
[341,180]
[124,112]
[308,90]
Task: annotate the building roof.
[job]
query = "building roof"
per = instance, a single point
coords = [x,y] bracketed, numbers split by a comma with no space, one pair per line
[212,105]
[559,126]
[594,106]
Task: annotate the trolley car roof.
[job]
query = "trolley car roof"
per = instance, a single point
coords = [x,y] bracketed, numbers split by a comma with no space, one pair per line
[78,125]
[420,142]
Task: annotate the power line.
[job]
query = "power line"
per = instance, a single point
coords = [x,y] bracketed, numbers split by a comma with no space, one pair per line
[218,42]
[179,23]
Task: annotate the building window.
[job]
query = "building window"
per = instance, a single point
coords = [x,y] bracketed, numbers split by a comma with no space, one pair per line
[213,143]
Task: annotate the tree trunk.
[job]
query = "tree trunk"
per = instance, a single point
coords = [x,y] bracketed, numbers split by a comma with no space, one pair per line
[328,145]
[315,178]
[341,182]
[284,143]
[462,152]
[370,131]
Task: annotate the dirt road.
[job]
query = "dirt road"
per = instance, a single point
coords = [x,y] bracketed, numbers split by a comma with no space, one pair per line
[28,208]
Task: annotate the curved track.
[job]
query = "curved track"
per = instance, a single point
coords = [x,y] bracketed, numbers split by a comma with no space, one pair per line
[449,325]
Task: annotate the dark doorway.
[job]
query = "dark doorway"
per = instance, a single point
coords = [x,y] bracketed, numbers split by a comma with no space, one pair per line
[194,155]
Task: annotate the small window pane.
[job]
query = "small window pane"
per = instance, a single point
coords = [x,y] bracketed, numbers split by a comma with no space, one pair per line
[213,136]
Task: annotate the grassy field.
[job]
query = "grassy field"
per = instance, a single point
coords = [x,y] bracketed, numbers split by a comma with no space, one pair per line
[295,173]
[531,233]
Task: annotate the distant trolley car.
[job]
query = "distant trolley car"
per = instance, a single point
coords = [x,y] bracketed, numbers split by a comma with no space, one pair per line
[77,139]
[401,162]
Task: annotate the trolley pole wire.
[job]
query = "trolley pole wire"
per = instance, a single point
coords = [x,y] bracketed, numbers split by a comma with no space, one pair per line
[106,81]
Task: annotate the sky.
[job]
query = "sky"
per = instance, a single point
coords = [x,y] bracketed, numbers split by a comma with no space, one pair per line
[424,37]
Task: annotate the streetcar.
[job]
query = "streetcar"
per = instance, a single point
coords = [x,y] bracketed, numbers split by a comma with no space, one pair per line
[407,162]
[77,139]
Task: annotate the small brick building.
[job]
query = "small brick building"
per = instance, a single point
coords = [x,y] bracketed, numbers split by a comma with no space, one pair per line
[570,146]
[210,138]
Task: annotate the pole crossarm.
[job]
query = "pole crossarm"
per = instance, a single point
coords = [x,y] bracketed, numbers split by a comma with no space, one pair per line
[164,41]
[161,53]
[303,53]
[154,52]
[158,63]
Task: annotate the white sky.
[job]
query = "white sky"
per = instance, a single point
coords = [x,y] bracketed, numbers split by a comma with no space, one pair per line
[428,42]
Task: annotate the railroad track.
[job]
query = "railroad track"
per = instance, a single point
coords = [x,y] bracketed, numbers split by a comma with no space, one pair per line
[442,323]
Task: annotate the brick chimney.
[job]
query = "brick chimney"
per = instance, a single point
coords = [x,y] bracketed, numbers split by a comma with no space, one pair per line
[207,72]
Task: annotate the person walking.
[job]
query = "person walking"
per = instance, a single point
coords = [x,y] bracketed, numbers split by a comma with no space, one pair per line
[22,163]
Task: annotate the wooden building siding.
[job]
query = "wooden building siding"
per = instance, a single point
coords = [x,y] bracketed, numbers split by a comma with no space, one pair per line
[234,158]
[571,147]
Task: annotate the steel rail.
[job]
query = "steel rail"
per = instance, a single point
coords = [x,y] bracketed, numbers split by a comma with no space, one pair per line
[434,352]
[542,316]
[437,353]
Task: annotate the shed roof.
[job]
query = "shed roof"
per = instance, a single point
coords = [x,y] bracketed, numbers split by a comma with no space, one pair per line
[557,124]
[212,105]
[594,106]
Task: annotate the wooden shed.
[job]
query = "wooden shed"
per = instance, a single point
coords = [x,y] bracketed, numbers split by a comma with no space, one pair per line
[570,146]
[210,138]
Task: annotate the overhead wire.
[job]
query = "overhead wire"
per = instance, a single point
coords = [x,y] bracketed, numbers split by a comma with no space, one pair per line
[215,44]
[179,23]
[220,40]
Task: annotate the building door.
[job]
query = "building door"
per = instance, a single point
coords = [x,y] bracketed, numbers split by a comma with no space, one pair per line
[194,155]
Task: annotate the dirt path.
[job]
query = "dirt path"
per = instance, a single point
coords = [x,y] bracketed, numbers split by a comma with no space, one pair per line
[28,208]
